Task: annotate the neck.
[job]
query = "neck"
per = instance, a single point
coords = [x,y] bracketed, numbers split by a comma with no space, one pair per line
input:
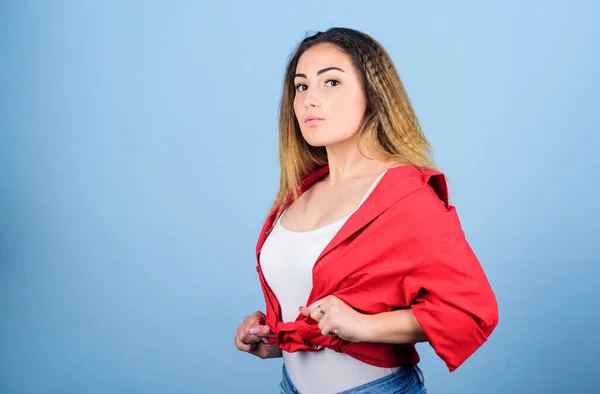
[346,162]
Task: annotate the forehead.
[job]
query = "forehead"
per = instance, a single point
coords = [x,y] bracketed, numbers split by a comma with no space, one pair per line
[321,56]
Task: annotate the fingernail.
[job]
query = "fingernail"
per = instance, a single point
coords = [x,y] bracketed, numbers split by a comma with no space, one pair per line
[255,331]
[265,340]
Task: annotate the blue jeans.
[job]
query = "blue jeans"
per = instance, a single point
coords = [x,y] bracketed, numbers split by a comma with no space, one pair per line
[407,380]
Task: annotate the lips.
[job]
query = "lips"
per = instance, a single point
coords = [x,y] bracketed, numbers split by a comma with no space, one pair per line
[310,120]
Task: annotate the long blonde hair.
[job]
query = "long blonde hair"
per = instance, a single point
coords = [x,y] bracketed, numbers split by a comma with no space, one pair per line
[390,126]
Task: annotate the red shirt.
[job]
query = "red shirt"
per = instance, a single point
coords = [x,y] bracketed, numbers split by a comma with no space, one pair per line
[403,248]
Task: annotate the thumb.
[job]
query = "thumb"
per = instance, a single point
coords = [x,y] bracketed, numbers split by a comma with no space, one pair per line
[260,331]
[304,310]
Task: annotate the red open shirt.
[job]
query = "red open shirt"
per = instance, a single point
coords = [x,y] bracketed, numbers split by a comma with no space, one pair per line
[403,248]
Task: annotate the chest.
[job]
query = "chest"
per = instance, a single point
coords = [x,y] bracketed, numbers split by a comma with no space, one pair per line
[323,205]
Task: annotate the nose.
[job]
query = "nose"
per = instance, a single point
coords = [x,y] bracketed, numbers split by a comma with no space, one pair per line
[310,101]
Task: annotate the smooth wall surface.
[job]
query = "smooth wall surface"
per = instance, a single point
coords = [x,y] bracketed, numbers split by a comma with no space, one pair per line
[138,158]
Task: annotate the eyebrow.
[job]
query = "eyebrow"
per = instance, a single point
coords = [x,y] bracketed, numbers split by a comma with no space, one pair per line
[321,71]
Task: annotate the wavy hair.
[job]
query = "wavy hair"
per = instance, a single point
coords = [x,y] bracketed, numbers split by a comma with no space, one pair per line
[390,126]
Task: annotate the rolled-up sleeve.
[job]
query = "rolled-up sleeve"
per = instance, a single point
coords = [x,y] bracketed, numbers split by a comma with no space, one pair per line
[448,290]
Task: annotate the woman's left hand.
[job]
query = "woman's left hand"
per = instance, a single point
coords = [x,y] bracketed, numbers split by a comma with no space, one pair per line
[335,317]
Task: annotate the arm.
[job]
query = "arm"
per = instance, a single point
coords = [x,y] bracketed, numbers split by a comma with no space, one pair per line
[452,305]
[393,327]
[448,292]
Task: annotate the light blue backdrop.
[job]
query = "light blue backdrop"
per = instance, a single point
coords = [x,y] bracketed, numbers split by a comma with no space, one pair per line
[138,158]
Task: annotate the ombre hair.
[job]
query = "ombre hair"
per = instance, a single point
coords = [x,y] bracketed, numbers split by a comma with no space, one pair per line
[390,127]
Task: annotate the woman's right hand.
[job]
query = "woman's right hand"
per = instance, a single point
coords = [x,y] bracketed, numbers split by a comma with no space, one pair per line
[252,335]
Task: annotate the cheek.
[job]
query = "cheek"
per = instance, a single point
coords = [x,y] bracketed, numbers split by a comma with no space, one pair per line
[358,102]
[349,110]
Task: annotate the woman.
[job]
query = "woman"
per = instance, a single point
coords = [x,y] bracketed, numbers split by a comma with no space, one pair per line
[362,256]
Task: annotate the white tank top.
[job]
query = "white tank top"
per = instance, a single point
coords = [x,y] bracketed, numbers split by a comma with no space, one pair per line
[287,259]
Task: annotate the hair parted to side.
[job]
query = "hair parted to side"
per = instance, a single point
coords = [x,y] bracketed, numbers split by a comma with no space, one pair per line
[390,126]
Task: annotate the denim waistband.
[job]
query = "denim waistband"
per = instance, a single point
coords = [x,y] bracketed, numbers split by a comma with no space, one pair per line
[408,380]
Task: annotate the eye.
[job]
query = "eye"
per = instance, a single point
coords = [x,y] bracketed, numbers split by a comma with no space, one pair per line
[301,87]
[332,82]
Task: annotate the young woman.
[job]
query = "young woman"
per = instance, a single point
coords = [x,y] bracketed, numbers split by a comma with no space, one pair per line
[362,256]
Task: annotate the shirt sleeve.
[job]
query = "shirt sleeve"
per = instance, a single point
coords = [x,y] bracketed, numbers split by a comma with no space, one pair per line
[448,291]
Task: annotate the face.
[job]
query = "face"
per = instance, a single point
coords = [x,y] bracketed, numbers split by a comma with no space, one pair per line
[330,101]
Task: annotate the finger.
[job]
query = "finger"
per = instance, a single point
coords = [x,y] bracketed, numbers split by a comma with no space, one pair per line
[257,333]
[318,302]
[242,346]
[243,334]
[249,339]
[318,310]
[255,319]
[328,324]
[304,310]
[313,313]
[261,330]
[325,303]
[324,325]
[259,316]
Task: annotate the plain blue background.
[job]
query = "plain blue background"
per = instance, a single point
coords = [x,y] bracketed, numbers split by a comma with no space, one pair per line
[138,159]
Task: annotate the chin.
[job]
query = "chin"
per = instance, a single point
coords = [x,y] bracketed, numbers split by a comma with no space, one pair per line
[315,144]
[317,140]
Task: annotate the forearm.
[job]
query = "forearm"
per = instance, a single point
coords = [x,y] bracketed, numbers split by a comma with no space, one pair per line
[396,327]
